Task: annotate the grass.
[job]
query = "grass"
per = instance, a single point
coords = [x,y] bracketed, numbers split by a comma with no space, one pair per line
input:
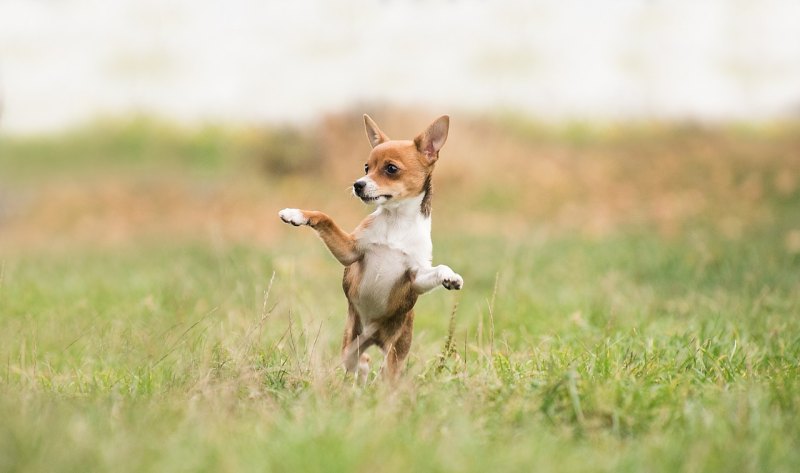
[653,342]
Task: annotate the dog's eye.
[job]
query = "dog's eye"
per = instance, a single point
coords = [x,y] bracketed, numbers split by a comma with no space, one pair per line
[391,169]
[366,168]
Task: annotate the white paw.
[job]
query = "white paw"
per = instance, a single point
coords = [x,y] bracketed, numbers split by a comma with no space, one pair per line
[363,367]
[450,280]
[293,216]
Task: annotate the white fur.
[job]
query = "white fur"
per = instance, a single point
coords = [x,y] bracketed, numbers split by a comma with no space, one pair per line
[397,239]
[370,187]
[371,190]
[293,216]
[432,277]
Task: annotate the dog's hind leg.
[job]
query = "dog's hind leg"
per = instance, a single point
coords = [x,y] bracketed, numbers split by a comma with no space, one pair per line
[396,350]
[354,344]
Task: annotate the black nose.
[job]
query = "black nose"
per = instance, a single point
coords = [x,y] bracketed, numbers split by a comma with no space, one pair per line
[359,186]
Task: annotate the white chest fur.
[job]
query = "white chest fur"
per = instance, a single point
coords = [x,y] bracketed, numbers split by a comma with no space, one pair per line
[397,239]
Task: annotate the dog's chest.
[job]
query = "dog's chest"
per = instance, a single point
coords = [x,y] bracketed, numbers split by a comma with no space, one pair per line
[391,249]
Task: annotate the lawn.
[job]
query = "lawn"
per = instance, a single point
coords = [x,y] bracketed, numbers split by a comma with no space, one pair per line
[631,302]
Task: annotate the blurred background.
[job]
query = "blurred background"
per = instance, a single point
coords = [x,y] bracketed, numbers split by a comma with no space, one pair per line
[125,119]
[65,62]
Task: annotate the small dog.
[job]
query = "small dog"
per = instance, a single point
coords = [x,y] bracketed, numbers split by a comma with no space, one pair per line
[387,258]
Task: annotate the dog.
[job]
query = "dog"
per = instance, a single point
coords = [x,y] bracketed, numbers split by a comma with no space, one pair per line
[387,258]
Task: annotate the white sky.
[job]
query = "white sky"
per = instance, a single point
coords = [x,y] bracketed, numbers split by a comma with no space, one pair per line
[63,62]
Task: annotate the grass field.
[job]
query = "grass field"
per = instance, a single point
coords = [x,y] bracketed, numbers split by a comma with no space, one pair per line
[631,302]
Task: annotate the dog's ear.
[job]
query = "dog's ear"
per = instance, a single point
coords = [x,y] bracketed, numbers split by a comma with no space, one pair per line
[430,141]
[374,133]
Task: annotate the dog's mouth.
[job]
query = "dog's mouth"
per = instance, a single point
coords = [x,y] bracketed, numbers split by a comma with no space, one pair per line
[367,199]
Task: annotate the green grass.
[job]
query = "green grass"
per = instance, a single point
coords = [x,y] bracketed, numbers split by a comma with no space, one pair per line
[637,349]
[621,354]
[143,145]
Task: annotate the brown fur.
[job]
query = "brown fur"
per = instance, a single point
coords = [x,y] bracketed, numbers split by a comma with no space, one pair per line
[414,168]
[425,205]
[339,242]
[392,333]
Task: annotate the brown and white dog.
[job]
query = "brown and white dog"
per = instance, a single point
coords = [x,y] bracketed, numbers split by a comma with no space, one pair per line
[387,258]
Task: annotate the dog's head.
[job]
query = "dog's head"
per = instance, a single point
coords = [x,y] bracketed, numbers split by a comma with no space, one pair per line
[397,169]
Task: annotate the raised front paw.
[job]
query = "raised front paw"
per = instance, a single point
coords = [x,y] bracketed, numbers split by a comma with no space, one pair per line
[451,280]
[293,216]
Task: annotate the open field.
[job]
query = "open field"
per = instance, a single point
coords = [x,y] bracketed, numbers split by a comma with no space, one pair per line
[631,302]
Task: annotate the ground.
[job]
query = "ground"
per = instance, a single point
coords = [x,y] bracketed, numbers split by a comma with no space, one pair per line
[631,302]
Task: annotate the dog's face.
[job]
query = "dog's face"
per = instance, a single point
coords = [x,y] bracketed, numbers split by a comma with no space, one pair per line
[398,170]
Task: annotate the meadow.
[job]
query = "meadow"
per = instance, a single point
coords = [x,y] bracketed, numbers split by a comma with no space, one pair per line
[631,301]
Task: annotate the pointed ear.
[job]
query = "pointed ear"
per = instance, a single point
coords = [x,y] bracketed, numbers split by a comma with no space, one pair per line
[430,141]
[374,134]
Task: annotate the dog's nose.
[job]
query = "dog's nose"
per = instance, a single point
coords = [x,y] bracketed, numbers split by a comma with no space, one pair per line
[359,186]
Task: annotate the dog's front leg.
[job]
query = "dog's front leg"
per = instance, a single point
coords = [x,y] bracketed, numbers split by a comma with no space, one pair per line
[431,277]
[340,243]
